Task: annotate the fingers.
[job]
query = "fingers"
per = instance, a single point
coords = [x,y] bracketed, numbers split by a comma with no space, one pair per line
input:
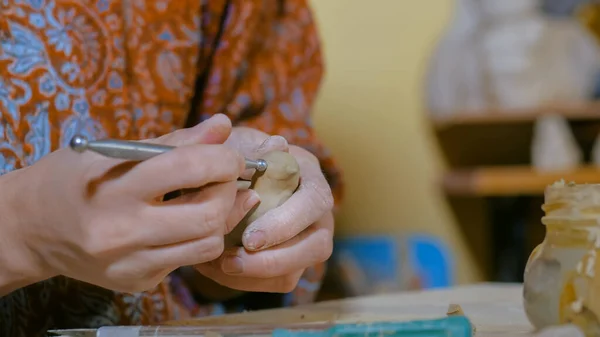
[309,248]
[245,200]
[252,142]
[273,143]
[305,207]
[190,216]
[214,130]
[184,167]
[185,253]
[281,284]
[244,184]
[159,261]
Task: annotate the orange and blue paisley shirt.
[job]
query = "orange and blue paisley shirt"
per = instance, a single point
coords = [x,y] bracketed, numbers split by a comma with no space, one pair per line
[135,69]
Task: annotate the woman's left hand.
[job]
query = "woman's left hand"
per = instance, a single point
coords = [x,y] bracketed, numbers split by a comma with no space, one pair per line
[281,244]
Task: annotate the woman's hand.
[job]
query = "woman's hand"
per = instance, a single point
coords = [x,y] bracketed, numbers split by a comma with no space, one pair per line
[280,245]
[101,221]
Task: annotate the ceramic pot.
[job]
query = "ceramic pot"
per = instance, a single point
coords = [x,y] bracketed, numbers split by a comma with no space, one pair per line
[559,282]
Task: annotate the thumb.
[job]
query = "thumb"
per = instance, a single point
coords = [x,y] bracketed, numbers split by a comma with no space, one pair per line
[273,143]
[214,130]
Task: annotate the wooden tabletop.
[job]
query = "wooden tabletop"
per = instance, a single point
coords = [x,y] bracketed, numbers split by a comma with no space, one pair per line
[494,309]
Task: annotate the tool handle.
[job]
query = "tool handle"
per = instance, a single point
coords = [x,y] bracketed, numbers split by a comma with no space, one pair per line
[137,151]
[127,150]
[120,149]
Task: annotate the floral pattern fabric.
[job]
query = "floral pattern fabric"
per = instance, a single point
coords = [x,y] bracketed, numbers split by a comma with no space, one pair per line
[135,69]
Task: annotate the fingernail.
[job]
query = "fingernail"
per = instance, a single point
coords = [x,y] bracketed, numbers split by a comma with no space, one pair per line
[232,265]
[263,144]
[274,143]
[252,200]
[255,240]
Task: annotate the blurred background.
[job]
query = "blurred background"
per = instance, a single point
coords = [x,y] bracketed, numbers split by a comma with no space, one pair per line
[449,118]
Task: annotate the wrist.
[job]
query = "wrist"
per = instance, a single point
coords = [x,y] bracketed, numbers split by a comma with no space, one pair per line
[20,266]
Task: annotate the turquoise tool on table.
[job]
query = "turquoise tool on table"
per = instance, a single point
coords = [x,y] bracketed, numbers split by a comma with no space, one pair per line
[453,326]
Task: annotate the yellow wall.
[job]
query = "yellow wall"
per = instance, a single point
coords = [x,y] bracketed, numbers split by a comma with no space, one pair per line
[371,115]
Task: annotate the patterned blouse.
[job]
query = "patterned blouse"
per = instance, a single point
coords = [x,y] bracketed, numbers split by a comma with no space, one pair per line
[135,69]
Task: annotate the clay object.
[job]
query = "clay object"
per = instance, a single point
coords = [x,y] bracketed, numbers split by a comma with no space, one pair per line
[274,186]
[455,76]
[456,310]
[562,278]
[540,300]
[508,55]
[554,147]
[568,330]
[533,60]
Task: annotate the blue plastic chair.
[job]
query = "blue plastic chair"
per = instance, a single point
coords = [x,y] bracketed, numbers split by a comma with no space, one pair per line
[379,257]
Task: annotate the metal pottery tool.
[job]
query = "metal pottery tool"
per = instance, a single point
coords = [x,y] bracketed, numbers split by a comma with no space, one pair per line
[455,326]
[137,151]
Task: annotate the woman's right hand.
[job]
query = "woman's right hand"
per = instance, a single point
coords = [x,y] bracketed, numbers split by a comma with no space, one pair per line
[99,220]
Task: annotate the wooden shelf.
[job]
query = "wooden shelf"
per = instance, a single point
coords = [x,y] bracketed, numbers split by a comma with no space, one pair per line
[511,180]
[572,111]
[489,154]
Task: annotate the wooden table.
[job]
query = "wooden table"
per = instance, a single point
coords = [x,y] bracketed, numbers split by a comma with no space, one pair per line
[495,309]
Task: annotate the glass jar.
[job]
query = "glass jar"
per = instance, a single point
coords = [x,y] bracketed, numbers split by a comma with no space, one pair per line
[559,282]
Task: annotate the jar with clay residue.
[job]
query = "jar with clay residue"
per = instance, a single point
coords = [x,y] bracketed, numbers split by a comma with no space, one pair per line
[560,283]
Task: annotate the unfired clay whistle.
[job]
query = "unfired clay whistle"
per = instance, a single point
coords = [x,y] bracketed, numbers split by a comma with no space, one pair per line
[274,186]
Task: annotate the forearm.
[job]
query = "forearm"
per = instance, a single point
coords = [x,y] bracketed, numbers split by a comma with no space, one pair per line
[18,266]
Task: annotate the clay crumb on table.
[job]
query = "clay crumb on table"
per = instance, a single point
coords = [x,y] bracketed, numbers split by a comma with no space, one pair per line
[456,310]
